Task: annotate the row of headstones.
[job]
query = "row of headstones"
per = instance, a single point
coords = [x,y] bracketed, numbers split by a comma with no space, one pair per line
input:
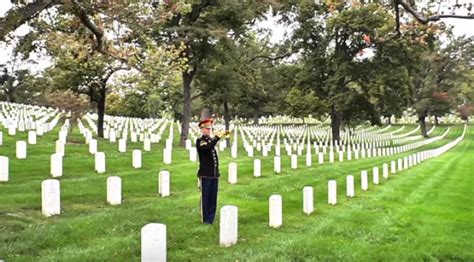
[22,116]
[411,138]
[114,129]
[112,134]
[51,193]
[100,160]
[374,152]
[346,136]
[122,143]
[232,167]
[153,236]
[40,127]
[395,136]
[21,153]
[24,112]
[301,142]
[321,155]
[56,161]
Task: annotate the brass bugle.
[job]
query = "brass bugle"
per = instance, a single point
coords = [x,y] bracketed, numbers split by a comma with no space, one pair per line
[224,134]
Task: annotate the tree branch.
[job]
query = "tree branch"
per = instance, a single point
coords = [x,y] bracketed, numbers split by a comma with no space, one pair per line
[251,60]
[425,20]
[81,14]
[196,96]
[397,17]
[111,72]
[14,18]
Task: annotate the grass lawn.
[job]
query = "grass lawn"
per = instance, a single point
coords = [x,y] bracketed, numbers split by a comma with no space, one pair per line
[424,213]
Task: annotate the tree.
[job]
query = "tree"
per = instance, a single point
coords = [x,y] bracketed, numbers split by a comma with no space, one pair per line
[329,38]
[386,79]
[200,25]
[438,78]
[301,104]
[81,69]
[74,105]
[103,34]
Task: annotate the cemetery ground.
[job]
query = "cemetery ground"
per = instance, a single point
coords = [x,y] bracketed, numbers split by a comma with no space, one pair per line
[423,213]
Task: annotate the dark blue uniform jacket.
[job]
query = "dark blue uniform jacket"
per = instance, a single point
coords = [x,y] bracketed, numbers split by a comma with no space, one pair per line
[208,160]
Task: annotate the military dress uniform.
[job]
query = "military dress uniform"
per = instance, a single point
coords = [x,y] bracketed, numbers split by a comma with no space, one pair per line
[209,176]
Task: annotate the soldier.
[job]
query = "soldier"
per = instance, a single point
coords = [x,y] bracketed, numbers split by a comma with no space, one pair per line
[208,171]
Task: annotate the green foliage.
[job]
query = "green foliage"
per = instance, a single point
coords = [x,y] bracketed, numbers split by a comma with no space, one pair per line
[302,104]
[439,77]
[329,63]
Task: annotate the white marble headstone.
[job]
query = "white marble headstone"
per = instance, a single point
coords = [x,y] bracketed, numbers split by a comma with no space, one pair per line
[32,137]
[11,130]
[350,190]
[193,154]
[167,156]
[331,156]
[137,158]
[146,144]
[228,226]
[56,165]
[393,167]
[294,161]
[375,175]
[50,197]
[114,190]
[320,158]
[4,169]
[308,203]
[332,192]
[275,211]
[277,164]
[364,180]
[92,146]
[309,160]
[257,168]
[60,147]
[385,170]
[164,183]
[153,243]
[21,149]
[188,144]
[100,162]
[232,174]
[122,145]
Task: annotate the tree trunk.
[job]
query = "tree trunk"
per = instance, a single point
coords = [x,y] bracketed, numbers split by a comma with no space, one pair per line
[436,121]
[187,80]
[226,118]
[101,110]
[14,18]
[10,91]
[255,119]
[335,124]
[10,96]
[421,120]
[226,115]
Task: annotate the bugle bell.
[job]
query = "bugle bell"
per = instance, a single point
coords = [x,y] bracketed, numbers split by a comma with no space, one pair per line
[223,134]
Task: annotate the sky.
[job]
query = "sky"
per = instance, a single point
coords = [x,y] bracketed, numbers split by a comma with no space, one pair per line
[41,61]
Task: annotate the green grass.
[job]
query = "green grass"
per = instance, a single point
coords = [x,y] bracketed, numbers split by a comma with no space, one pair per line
[424,213]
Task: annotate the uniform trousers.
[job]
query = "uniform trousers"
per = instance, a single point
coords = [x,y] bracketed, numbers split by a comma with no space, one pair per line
[209,187]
